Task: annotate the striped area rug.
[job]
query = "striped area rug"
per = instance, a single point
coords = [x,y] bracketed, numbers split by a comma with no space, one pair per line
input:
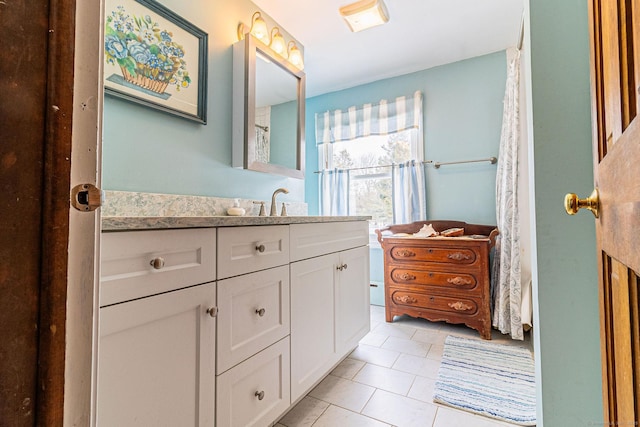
[493,380]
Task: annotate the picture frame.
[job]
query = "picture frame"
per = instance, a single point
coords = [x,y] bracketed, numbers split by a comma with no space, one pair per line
[155,58]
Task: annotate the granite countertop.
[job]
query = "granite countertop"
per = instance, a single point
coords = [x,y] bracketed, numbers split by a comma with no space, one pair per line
[155,223]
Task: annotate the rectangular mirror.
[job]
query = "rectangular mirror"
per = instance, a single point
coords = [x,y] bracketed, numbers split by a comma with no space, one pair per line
[268,110]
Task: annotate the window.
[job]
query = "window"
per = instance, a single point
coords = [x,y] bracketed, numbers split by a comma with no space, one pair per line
[371,160]
[368,160]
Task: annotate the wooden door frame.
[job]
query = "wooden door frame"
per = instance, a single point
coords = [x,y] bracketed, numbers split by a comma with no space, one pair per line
[50,132]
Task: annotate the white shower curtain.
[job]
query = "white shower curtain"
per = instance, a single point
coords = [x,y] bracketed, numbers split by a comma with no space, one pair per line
[506,283]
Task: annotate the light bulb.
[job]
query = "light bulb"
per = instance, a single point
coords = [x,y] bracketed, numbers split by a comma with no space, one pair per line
[277,43]
[259,27]
[295,56]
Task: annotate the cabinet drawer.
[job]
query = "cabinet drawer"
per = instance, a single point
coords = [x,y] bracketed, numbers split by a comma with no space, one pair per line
[256,392]
[311,240]
[183,258]
[254,313]
[451,304]
[411,276]
[436,255]
[246,249]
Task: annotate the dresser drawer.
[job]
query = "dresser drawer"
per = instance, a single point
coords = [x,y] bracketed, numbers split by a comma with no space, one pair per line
[182,258]
[451,304]
[312,240]
[254,313]
[256,392]
[411,276]
[433,254]
[246,249]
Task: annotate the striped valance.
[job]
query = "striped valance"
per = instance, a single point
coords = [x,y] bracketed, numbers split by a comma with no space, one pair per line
[405,112]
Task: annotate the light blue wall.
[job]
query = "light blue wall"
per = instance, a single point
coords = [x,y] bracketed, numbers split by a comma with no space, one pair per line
[566,325]
[145,150]
[462,120]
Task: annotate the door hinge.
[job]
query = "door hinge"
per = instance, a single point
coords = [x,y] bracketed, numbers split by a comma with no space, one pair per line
[86,197]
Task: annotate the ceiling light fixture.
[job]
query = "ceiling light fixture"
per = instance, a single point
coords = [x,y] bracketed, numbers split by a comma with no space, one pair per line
[364,14]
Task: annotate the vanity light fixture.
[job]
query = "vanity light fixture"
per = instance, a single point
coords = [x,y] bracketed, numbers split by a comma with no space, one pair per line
[291,52]
[295,57]
[364,14]
[278,44]
[259,27]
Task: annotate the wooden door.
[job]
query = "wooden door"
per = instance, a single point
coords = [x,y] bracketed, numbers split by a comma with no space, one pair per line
[615,63]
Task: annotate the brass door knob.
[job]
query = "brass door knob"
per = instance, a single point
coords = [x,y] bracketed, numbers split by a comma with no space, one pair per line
[572,204]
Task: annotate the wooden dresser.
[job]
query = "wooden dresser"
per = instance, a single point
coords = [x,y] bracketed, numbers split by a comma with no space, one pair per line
[439,278]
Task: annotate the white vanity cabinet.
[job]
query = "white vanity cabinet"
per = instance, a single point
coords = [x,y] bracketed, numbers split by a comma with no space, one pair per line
[227,325]
[253,368]
[329,298]
[156,355]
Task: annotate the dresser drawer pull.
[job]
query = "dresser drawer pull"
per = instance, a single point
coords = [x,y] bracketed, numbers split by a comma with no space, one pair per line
[459,281]
[157,263]
[407,276]
[260,248]
[259,395]
[459,306]
[260,311]
[459,256]
[406,253]
[406,299]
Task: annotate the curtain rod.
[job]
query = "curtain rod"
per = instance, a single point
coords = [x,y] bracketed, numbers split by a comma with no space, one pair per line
[436,165]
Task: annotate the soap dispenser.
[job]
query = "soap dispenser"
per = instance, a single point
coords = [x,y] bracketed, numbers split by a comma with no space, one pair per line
[236,210]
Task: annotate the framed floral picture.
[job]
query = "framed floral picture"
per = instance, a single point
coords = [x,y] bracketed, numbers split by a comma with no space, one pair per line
[155,58]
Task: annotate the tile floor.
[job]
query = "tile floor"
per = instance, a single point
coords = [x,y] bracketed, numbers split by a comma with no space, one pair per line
[388,380]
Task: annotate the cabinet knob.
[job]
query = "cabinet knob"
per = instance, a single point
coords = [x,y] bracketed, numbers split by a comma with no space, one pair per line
[260,248]
[157,263]
[259,395]
[260,312]
[212,311]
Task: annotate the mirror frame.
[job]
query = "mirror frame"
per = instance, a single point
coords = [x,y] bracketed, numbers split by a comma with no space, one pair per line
[244,103]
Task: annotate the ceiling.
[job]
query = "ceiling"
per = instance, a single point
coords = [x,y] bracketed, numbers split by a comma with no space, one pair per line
[420,34]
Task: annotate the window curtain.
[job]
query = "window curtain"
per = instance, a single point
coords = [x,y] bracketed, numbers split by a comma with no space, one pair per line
[409,191]
[506,283]
[384,118]
[334,194]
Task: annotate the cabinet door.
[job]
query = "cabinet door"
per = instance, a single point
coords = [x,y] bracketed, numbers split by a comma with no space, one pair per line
[156,360]
[312,321]
[352,299]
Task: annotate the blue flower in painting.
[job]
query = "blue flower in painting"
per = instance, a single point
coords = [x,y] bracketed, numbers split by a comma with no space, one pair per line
[178,52]
[115,47]
[139,52]
[165,36]
[155,62]
[167,65]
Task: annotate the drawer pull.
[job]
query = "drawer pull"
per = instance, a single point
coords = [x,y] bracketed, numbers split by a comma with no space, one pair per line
[259,395]
[406,299]
[157,263]
[459,306]
[341,267]
[407,276]
[212,311]
[406,253]
[459,281]
[260,312]
[459,256]
[260,248]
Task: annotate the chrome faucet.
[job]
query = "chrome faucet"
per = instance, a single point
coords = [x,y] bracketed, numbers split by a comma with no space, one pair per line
[273,211]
